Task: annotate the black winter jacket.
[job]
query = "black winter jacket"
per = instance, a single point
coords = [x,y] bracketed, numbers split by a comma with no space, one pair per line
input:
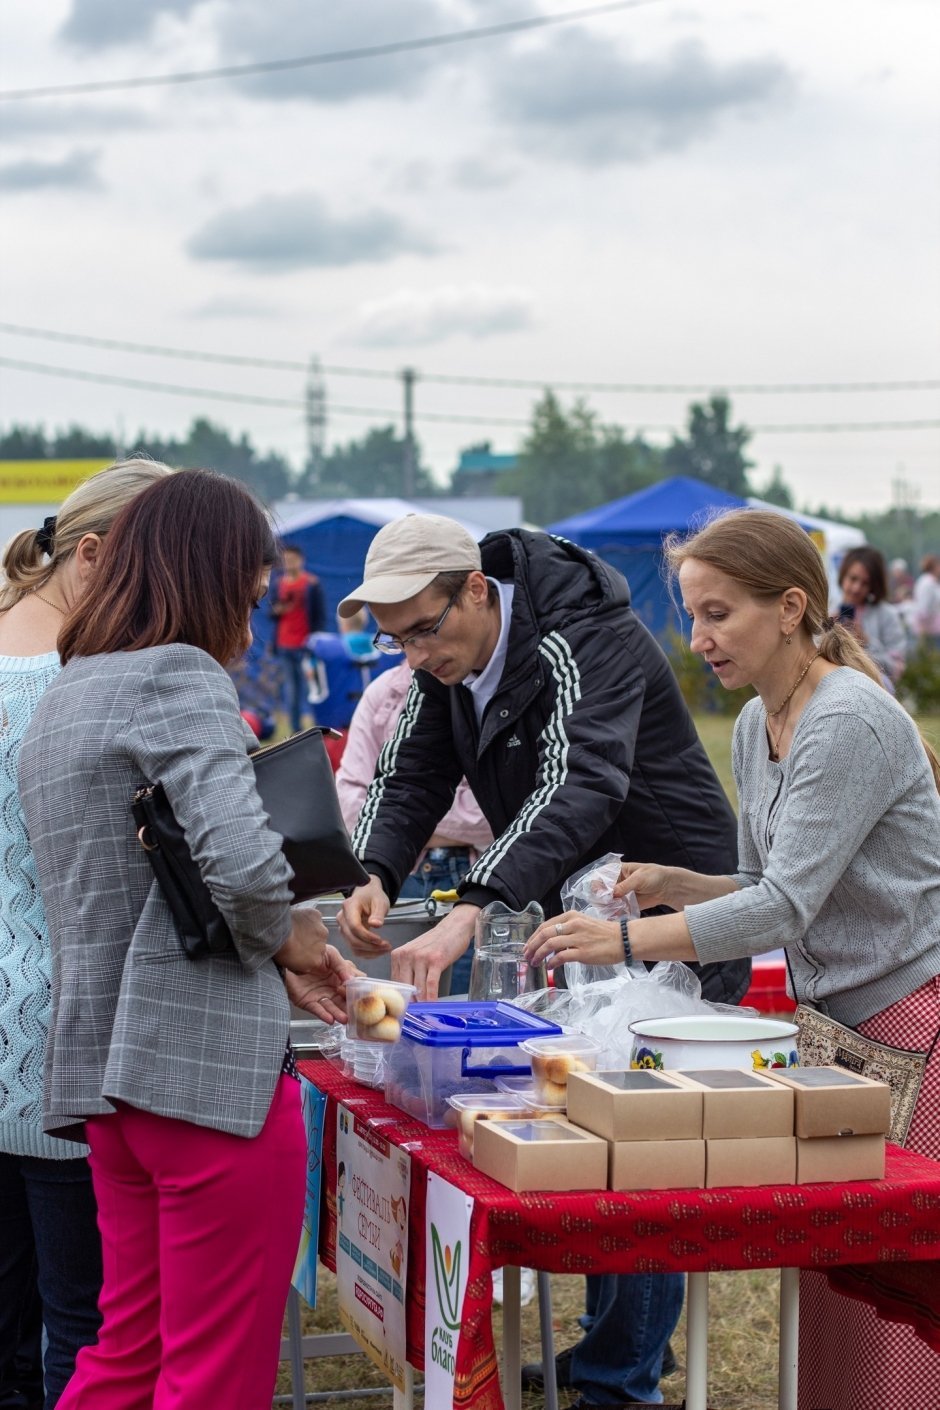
[587,747]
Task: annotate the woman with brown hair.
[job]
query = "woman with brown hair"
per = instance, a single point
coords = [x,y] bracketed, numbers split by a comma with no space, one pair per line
[177,1071]
[865,611]
[839,818]
[49,1236]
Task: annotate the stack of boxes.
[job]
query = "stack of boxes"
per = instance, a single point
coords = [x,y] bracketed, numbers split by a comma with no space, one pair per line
[649,1130]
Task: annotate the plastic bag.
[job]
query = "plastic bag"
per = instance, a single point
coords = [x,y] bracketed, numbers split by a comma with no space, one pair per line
[603,1000]
[591,890]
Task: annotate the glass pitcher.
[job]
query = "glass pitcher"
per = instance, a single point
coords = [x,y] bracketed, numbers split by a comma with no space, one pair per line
[500,970]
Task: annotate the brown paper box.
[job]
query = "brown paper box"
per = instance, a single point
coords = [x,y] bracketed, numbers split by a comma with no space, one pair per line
[738,1104]
[832,1102]
[656,1165]
[635,1105]
[770,1160]
[840,1158]
[540,1154]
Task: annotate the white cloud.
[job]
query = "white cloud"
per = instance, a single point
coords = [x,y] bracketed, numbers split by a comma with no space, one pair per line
[416,317]
[274,234]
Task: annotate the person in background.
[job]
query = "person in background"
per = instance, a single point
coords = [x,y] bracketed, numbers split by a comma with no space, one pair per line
[461,835]
[865,611]
[177,1072]
[48,1233]
[536,681]
[298,610]
[926,611]
[839,816]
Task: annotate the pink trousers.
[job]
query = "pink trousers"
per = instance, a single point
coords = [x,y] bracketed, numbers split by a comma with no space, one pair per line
[200,1230]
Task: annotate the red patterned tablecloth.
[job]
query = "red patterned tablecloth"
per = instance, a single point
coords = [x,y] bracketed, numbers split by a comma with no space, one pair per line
[883,1236]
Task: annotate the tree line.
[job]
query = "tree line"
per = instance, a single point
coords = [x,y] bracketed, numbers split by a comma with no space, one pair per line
[569,461]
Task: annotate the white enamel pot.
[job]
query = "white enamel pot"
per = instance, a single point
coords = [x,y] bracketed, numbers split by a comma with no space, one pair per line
[696,1042]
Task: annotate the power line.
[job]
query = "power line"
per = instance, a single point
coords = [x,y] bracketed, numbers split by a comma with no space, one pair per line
[455,379]
[336,56]
[250,398]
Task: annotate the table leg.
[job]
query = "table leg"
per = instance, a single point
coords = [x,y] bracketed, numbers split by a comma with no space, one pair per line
[298,1392]
[696,1376]
[405,1399]
[789,1337]
[548,1340]
[512,1337]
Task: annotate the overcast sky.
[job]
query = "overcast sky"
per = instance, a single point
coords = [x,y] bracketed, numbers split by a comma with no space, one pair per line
[727,192]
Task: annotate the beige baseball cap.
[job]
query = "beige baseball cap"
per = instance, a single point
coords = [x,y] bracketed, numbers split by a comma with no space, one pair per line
[406,556]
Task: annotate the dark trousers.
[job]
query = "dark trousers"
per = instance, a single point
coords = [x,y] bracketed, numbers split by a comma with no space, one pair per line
[295,682]
[49,1243]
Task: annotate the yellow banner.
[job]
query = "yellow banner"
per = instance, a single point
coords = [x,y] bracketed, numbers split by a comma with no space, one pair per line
[44,481]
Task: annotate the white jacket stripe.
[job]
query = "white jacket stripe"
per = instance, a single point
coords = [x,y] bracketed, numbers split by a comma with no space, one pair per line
[554,738]
[388,757]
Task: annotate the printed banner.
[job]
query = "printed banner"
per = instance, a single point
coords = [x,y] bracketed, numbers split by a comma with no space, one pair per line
[305,1269]
[447,1239]
[373,1189]
[44,481]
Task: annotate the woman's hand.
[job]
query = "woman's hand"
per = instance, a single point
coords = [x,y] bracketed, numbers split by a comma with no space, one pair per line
[575,936]
[361,916]
[308,934]
[321,990]
[648,881]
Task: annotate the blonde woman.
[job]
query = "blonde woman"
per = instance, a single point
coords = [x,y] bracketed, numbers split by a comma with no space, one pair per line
[47,1209]
[839,821]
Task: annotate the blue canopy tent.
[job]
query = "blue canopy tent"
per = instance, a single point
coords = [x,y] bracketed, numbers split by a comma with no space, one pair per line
[628,533]
[334,537]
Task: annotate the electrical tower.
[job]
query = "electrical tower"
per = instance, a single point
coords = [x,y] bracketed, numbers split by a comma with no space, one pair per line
[315,419]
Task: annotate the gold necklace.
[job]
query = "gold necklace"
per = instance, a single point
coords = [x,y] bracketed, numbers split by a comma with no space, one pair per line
[50,603]
[771,714]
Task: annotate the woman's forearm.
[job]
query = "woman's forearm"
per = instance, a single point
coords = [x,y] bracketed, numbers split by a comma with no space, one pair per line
[661,938]
[688,888]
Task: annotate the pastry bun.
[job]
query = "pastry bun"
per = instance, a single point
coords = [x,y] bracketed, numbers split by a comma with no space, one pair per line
[387,1030]
[369,1009]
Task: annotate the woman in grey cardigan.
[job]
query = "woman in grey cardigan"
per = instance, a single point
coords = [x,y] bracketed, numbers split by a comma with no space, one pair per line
[176,1071]
[839,821]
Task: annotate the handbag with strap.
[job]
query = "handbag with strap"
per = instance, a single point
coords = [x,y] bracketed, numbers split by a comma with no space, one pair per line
[297,789]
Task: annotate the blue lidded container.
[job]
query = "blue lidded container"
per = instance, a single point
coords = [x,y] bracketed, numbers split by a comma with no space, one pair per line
[453,1046]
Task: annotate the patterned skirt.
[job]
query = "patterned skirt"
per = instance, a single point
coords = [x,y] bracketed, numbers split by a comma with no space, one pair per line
[850,1358]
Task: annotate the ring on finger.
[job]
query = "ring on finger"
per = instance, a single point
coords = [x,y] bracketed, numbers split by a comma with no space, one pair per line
[559,928]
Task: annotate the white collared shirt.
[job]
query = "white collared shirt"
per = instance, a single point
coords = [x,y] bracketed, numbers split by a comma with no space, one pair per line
[483,684]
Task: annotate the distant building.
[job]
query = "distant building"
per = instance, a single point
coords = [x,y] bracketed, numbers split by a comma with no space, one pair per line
[479,470]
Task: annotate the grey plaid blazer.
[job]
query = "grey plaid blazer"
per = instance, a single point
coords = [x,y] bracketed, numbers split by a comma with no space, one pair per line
[132,1018]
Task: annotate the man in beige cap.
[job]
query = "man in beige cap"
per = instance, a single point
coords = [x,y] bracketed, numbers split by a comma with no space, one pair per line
[535,680]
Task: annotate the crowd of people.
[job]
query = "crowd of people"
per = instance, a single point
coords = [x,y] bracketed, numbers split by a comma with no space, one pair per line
[152,1154]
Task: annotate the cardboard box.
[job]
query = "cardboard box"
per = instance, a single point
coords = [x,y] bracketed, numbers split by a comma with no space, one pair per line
[840,1158]
[656,1165]
[545,1153]
[833,1102]
[636,1105]
[738,1104]
[770,1160]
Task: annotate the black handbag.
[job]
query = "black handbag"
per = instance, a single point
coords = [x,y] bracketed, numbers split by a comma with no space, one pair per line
[297,789]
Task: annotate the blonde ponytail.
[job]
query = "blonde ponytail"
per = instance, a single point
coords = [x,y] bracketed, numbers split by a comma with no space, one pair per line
[32,556]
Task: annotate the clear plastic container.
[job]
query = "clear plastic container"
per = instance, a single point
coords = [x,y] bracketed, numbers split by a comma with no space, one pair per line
[523,1089]
[450,1047]
[376,1009]
[553,1061]
[484,1106]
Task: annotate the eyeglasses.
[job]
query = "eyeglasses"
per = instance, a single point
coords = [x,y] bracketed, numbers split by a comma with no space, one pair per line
[394,645]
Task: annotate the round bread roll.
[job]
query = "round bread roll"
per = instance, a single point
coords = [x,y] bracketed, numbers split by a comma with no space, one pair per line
[465,1146]
[451,1118]
[540,1063]
[552,1093]
[394,1001]
[465,1123]
[369,1009]
[387,1030]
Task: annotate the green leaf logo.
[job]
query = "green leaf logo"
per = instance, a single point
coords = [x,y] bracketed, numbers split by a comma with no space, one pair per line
[447,1279]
